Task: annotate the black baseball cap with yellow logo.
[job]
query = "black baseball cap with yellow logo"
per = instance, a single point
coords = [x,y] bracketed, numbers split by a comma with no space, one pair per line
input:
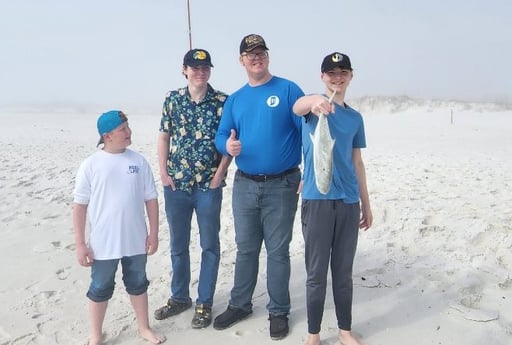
[197,57]
[334,60]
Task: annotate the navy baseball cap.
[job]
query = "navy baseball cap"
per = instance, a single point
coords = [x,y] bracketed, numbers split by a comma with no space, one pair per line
[197,57]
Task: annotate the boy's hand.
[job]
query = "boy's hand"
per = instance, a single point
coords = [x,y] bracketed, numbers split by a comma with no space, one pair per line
[84,255]
[301,185]
[151,245]
[366,220]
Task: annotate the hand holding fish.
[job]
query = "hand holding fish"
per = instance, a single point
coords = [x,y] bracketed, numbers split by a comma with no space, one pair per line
[233,145]
[323,105]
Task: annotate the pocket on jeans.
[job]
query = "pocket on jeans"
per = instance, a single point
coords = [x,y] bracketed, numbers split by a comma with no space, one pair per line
[293,179]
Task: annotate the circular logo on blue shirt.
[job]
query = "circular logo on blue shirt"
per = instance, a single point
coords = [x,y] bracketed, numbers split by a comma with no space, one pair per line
[273,101]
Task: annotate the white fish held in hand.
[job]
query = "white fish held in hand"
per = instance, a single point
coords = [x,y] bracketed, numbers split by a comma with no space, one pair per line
[323,145]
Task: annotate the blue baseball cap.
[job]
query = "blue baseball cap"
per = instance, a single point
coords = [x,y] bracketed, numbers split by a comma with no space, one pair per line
[109,121]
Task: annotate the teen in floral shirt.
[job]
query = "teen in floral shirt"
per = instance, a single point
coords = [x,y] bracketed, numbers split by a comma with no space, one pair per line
[193,174]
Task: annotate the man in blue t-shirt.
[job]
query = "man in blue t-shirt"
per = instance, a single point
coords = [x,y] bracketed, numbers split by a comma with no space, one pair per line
[259,129]
[335,201]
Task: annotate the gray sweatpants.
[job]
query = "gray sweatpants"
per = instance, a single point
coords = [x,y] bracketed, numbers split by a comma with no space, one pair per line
[330,229]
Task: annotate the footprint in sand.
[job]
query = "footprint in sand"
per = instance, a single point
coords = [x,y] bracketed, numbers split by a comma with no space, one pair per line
[427,227]
[471,296]
[38,302]
[503,261]
[505,284]
[63,273]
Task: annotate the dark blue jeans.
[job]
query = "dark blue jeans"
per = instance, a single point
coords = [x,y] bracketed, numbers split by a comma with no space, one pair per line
[264,211]
[179,206]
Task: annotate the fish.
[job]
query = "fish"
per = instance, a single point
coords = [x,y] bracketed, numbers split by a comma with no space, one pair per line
[323,145]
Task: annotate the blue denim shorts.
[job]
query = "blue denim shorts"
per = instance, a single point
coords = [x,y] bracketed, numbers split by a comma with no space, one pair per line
[103,273]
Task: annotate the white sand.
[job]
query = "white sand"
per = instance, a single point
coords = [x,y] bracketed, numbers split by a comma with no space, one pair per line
[434,269]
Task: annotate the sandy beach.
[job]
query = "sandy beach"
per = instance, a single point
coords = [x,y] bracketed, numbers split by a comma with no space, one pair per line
[434,269]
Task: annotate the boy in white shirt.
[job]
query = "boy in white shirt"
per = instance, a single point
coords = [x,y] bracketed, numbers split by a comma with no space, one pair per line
[112,188]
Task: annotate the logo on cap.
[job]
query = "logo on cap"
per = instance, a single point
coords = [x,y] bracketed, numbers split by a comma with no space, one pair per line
[200,55]
[254,40]
[335,60]
[251,42]
[337,57]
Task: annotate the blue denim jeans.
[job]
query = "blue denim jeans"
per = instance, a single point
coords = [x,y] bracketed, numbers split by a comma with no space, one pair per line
[264,211]
[179,206]
[103,274]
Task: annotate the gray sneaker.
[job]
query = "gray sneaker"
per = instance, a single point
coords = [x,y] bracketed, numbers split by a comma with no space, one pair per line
[171,308]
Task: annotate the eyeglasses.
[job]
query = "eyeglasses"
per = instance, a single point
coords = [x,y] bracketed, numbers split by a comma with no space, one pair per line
[253,56]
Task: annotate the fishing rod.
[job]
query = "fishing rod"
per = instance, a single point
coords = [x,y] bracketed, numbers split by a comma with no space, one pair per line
[189,26]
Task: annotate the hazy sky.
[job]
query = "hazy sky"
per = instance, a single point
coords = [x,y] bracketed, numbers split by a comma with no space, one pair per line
[116,53]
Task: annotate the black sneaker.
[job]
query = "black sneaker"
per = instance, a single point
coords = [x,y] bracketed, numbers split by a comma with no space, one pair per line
[171,308]
[202,316]
[278,326]
[230,317]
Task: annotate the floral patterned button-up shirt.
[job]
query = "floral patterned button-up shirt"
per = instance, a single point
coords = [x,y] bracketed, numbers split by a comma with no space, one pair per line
[193,158]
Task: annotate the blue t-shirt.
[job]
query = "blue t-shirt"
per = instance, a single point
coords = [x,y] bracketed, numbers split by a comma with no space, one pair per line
[266,126]
[347,128]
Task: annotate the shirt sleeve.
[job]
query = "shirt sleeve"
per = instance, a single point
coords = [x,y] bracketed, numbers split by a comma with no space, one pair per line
[150,191]
[165,121]
[295,93]
[359,141]
[82,191]
[225,126]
